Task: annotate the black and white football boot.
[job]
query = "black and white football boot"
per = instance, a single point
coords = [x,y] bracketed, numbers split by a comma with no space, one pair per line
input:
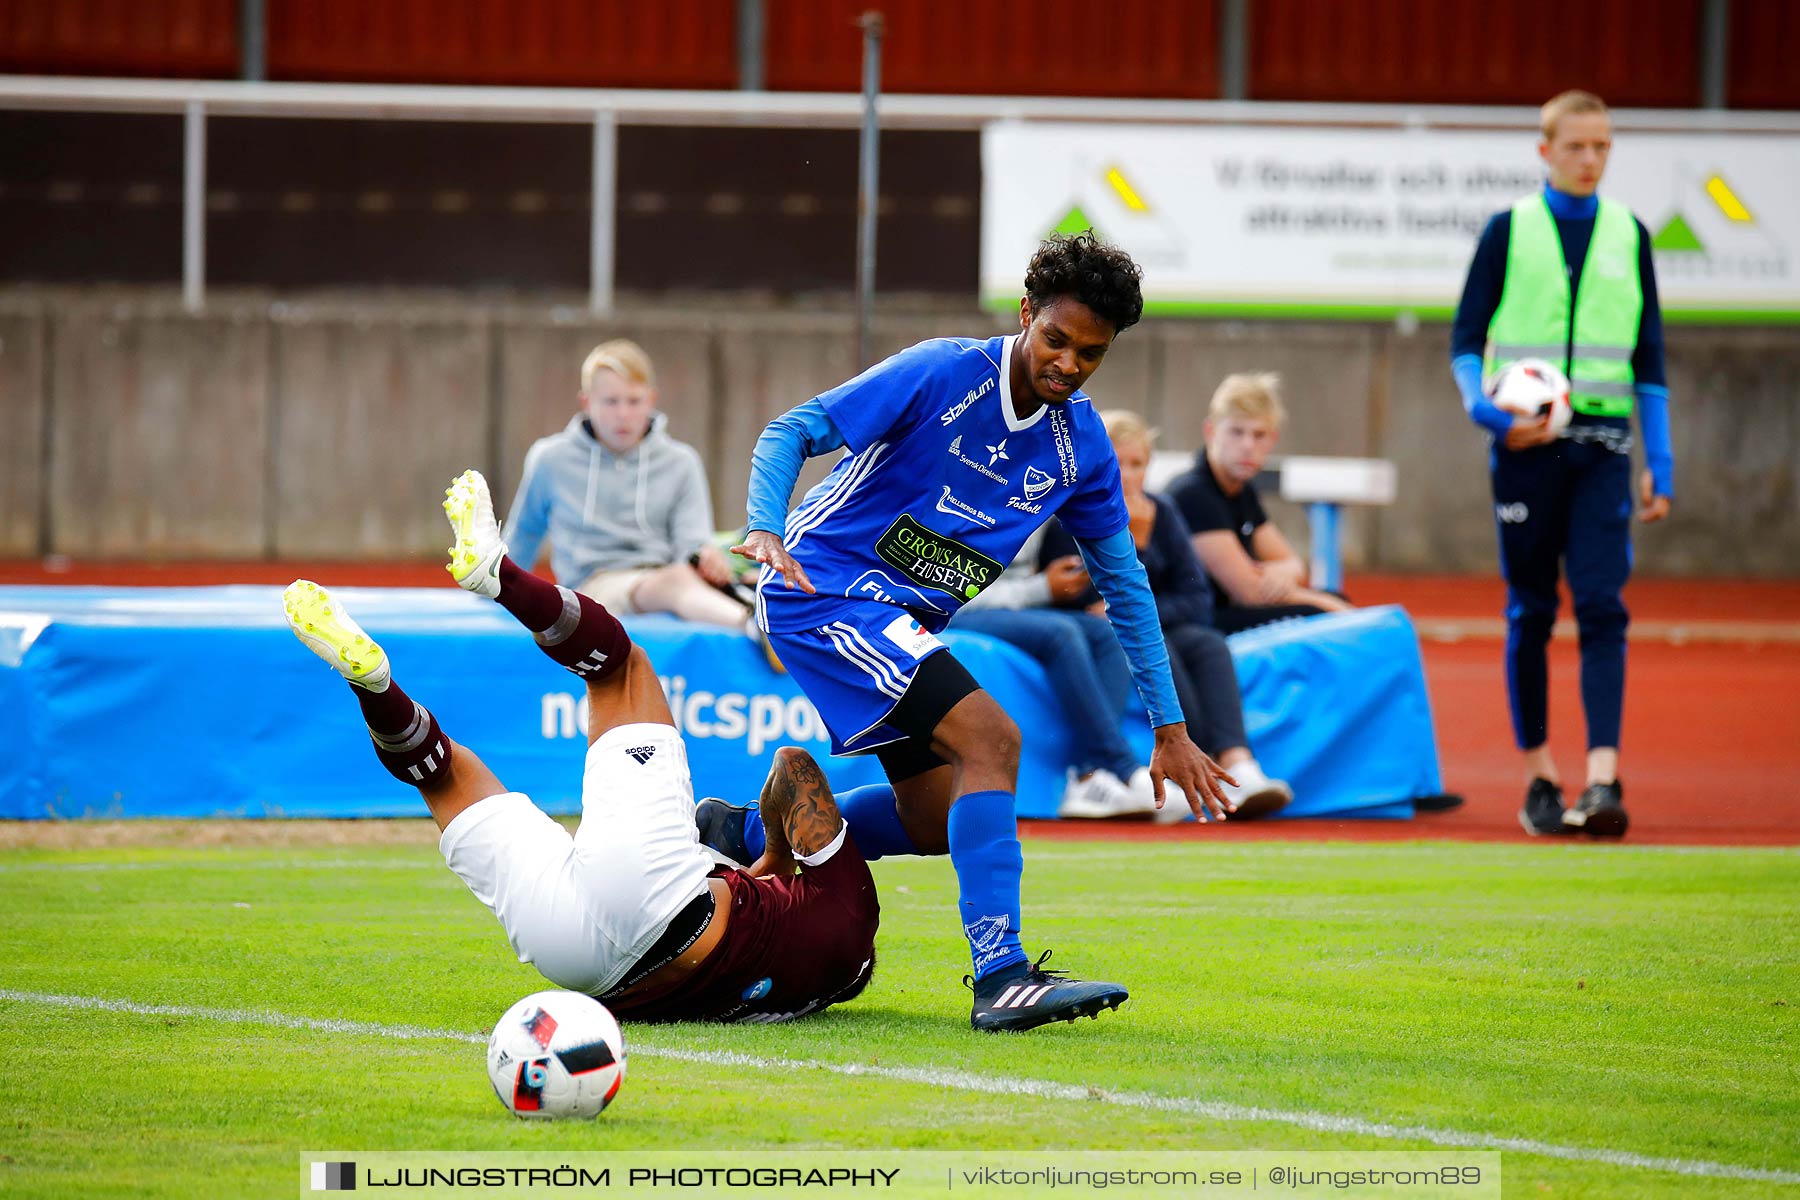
[721,827]
[1026,996]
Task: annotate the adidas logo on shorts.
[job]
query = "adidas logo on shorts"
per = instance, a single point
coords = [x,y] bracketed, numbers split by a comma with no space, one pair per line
[641,753]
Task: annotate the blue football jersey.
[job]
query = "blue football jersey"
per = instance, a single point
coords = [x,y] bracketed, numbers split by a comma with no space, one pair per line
[940,486]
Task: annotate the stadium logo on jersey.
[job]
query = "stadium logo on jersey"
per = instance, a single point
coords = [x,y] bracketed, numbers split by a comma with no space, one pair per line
[641,753]
[961,406]
[929,558]
[998,453]
[948,503]
[1037,483]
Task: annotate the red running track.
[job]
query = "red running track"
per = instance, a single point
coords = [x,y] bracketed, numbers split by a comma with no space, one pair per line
[1711,752]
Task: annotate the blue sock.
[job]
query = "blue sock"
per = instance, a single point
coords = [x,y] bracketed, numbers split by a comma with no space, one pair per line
[984,849]
[754,837]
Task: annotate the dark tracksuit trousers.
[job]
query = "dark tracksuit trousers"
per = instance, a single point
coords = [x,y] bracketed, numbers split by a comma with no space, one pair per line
[1569,504]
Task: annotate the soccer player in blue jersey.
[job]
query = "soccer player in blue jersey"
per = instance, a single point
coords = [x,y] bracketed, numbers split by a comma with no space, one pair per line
[957,450]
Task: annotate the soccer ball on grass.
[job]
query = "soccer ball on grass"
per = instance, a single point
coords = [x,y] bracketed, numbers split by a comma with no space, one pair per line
[556,1054]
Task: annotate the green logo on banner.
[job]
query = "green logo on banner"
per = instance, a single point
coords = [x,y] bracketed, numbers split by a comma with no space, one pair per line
[1076,221]
[1676,234]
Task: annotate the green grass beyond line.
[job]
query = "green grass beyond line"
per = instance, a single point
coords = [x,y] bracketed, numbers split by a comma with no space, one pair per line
[1607,999]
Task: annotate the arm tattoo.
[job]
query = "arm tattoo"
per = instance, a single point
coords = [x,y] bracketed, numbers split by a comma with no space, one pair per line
[809,816]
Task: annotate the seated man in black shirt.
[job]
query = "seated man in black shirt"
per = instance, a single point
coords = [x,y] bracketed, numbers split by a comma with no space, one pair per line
[1256,576]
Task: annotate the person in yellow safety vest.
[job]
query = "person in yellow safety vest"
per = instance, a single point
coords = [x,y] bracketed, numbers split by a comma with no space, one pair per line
[1566,275]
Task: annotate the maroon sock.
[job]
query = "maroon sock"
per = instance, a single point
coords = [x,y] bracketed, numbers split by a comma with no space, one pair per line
[387,713]
[574,630]
[585,638]
[534,600]
[406,736]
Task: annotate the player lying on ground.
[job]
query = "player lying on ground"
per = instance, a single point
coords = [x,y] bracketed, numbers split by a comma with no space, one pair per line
[958,450]
[630,909]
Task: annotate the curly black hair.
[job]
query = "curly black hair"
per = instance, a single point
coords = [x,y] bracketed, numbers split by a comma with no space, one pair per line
[1102,277]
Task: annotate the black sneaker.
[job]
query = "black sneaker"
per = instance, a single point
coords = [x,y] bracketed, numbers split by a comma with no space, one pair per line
[721,828]
[1542,815]
[1437,802]
[1025,997]
[1600,812]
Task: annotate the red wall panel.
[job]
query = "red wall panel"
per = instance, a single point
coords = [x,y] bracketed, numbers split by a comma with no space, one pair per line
[1631,52]
[585,43]
[1000,47]
[186,38]
[1763,64]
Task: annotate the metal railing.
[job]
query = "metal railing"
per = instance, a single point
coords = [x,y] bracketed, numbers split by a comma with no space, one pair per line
[604,110]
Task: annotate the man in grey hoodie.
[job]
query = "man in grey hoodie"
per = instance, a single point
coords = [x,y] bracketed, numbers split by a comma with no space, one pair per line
[625,506]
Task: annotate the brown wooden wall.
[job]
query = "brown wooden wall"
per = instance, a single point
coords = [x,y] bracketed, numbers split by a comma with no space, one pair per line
[1763,68]
[1633,52]
[1163,48]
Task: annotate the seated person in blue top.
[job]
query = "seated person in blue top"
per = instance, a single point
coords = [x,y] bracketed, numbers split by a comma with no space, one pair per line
[1087,671]
[1205,677]
[626,506]
[1256,576]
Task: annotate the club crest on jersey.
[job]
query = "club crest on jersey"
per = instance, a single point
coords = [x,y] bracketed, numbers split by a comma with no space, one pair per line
[929,558]
[1037,483]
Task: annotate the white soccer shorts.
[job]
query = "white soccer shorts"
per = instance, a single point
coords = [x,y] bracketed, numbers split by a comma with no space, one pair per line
[584,908]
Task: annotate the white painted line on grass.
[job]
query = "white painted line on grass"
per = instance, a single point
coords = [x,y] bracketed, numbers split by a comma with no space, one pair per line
[322,864]
[965,1081]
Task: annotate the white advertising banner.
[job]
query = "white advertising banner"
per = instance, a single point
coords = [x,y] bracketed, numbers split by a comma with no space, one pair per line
[1374,222]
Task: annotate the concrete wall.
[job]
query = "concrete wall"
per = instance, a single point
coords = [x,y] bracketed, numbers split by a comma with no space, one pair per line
[327,429]
[24,403]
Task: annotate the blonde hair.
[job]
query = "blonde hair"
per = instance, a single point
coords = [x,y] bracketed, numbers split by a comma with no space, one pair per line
[621,356]
[1122,425]
[1252,396]
[1571,103]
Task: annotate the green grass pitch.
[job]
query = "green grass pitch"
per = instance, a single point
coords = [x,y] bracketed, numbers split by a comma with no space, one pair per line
[1615,1006]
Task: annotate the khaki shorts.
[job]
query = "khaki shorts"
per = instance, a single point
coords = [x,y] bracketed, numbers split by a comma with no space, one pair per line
[614,588]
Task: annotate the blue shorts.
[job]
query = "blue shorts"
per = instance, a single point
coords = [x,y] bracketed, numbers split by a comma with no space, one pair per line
[855,668]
